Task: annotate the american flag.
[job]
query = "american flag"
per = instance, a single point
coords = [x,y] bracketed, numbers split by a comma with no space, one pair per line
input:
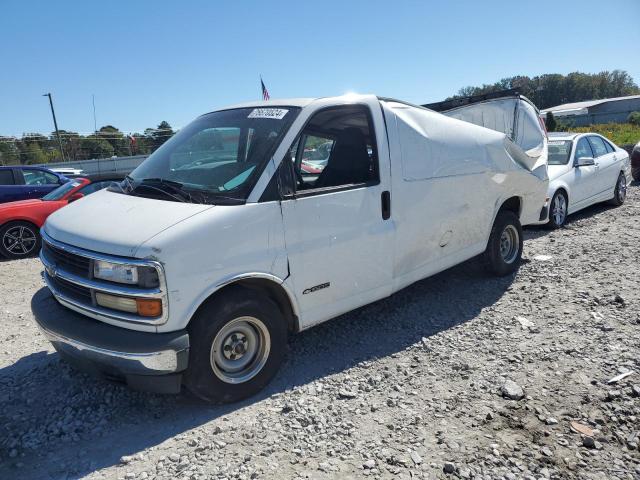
[265,92]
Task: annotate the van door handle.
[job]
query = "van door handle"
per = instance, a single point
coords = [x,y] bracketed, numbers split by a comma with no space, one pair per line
[385,198]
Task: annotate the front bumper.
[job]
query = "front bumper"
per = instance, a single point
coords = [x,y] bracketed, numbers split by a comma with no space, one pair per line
[145,361]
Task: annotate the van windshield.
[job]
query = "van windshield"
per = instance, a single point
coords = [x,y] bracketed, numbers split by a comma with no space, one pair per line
[215,159]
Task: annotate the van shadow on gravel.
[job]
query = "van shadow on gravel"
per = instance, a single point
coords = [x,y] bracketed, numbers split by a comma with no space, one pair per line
[60,422]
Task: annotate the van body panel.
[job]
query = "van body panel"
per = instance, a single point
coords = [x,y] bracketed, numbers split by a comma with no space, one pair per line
[210,250]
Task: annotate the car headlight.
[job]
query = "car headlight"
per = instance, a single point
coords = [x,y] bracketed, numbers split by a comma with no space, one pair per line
[146,277]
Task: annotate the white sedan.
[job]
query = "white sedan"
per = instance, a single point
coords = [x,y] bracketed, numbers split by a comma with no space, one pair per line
[584,168]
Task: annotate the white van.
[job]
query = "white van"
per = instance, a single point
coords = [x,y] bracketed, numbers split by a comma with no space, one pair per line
[198,266]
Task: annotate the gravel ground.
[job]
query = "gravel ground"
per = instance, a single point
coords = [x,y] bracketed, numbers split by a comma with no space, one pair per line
[458,376]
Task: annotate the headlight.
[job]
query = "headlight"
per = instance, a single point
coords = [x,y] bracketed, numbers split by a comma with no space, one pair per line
[115,272]
[146,277]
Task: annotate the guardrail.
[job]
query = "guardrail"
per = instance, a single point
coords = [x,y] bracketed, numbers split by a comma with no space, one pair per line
[101,165]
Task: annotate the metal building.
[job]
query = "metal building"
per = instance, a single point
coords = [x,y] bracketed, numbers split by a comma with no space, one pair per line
[606,110]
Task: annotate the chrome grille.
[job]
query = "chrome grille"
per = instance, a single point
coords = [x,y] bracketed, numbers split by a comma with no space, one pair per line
[72,290]
[67,261]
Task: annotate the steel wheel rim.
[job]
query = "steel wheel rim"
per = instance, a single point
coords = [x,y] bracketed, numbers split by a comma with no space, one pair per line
[240,350]
[622,188]
[19,240]
[509,244]
[559,211]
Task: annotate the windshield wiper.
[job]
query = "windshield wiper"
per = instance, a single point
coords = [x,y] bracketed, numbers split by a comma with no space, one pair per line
[151,186]
[169,186]
[129,181]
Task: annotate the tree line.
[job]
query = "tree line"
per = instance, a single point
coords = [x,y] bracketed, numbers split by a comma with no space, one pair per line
[554,89]
[35,148]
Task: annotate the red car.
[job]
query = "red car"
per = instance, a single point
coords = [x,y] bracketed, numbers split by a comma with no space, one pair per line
[20,221]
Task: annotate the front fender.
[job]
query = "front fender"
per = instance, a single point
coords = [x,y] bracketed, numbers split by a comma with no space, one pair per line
[230,280]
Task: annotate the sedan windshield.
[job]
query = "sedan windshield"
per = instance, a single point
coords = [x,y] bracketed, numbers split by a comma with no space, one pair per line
[61,191]
[215,159]
[559,151]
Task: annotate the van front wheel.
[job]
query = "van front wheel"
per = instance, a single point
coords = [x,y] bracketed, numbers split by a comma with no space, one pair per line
[504,249]
[237,343]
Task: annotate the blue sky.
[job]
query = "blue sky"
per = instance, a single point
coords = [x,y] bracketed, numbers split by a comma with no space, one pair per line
[152,61]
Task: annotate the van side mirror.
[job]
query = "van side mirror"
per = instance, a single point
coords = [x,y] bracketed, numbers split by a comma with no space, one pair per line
[76,196]
[585,162]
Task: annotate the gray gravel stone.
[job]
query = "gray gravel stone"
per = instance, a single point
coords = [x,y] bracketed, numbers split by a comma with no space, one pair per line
[369,464]
[419,369]
[512,390]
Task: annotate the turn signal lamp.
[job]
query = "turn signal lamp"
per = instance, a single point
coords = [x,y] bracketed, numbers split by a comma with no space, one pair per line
[145,307]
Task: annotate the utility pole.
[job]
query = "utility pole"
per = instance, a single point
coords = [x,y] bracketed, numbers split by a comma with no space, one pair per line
[55,124]
[95,125]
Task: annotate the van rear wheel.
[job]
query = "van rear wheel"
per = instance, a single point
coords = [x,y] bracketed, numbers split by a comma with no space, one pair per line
[504,249]
[237,343]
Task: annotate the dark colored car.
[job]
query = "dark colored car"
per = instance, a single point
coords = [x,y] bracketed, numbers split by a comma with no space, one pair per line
[20,221]
[635,162]
[23,183]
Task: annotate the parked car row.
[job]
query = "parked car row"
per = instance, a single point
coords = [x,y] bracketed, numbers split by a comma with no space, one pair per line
[22,183]
[20,221]
[584,169]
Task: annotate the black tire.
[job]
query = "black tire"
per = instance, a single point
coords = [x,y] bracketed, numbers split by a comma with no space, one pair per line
[501,259]
[557,217]
[635,174]
[19,240]
[203,377]
[620,192]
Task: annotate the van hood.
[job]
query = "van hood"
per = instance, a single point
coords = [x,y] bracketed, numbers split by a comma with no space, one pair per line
[116,224]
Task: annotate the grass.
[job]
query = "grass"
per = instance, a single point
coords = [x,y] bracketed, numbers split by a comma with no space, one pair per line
[618,133]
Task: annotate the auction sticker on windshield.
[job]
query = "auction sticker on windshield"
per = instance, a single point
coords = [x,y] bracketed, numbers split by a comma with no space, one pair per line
[274,113]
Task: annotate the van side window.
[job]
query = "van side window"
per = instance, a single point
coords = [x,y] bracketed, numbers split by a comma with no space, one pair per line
[337,148]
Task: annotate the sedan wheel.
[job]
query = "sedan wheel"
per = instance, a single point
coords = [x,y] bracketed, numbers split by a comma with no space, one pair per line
[558,214]
[620,192]
[19,240]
